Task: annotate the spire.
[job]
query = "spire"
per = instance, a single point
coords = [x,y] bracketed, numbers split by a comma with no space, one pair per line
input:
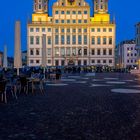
[41,6]
[101,6]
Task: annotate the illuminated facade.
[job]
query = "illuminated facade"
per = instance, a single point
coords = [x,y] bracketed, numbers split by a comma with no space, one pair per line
[73,37]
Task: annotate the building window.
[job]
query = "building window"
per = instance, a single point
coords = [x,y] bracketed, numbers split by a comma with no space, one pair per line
[56,12]
[62,39]
[79,30]
[37,40]
[49,51]
[56,51]
[79,62]
[110,40]
[62,51]
[49,29]
[93,40]
[68,30]
[110,29]
[49,41]
[85,51]
[79,21]
[74,12]
[98,52]
[85,12]
[93,51]
[31,61]
[79,39]
[93,61]
[98,40]
[68,12]
[74,21]
[37,29]
[68,52]
[104,51]
[37,52]
[74,30]
[62,21]
[85,21]
[31,40]
[110,51]
[104,61]
[68,39]
[85,39]
[79,12]
[56,62]
[104,40]
[56,30]
[98,61]
[98,30]
[85,62]
[68,21]
[62,12]
[43,30]
[49,61]
[31,29]
[31,52]
[74,39]
[85,30]
[93,30]
[62,30]
[56,39]
[37,61]
[56,21]
[73,51]
[110,61]
[104,29]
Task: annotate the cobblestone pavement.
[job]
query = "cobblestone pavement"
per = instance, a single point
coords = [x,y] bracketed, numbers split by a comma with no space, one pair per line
[75,111]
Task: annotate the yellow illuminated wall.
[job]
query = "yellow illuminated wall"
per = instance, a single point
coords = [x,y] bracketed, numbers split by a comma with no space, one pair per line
[101,18]
[39,17]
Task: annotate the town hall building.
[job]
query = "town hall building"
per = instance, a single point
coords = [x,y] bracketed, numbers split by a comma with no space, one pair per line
[73,37]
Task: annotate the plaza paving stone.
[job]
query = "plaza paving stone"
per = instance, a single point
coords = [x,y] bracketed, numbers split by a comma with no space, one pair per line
[74,112]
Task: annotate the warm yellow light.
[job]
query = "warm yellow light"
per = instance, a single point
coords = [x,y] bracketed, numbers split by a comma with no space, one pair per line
[39,17]
[101,18]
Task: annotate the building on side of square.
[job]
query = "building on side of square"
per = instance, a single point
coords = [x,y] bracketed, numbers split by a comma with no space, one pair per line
[73,37]
[126,55]
[137,28]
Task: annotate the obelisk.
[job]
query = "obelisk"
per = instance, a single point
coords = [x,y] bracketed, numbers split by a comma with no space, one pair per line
[17,51]
[5,62]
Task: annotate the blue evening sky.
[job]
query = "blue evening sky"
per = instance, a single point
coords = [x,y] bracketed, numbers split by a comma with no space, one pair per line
[126,12]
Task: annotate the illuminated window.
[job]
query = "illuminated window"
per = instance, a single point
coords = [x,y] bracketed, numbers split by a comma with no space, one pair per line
[31,40]
[31,29]
[74,39]
[104,40]
[93,40]
[110,29]
[79,39]
[98,40]
[43,29]
[85,39]
[37,40]
[104,51]
[56,12]
[110,51]
[37,52]
[37,29]
[56,39]
[31,52]
[49,40]
[85,12]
